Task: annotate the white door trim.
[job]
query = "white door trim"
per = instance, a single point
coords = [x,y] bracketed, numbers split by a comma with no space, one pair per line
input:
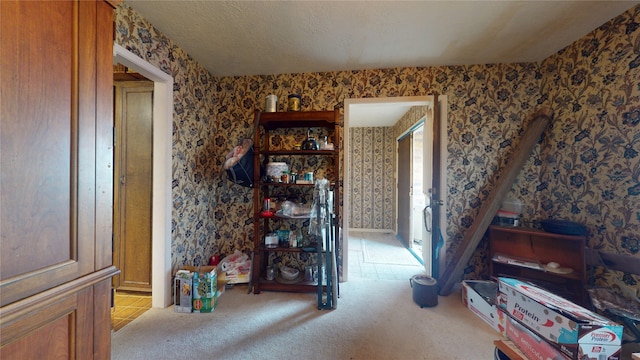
[346,151]
[161,196]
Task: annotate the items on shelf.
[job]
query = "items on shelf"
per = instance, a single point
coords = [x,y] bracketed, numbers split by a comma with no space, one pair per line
[294,102]
[271,103]
[288,230]
[554,261]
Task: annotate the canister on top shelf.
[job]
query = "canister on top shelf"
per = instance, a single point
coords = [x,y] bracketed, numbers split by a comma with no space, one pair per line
[294,102]
[271,104]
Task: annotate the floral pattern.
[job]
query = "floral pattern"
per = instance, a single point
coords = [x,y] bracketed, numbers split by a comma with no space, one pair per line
[586,167]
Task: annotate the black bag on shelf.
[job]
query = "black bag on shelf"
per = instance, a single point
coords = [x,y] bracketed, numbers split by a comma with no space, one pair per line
[239,161]
[242,172]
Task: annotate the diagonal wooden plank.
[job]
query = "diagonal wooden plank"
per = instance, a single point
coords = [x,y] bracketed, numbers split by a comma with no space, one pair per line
[453,272]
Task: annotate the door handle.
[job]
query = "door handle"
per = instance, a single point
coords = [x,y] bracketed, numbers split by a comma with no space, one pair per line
[426,217]
[432,197]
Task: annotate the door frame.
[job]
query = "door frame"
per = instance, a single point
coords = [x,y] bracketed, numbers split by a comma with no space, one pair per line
[409,133]
[346,150]
[161,191]
[121,238]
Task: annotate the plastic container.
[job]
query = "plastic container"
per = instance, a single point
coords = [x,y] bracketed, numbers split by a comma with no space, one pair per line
[276,169]
[512,206]
[510,213]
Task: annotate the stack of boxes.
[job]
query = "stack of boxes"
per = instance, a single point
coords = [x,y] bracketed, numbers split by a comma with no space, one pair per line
[545,326]
[196,290]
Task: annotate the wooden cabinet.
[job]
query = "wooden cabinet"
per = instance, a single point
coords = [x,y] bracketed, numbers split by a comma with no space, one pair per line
[269,146]
[526,254]
[56,179]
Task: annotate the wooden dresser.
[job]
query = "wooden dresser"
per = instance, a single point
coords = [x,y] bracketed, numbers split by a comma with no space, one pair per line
[525,253]
[56,154]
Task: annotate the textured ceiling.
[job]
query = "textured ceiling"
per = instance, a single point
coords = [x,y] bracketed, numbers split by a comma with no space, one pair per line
[277,37]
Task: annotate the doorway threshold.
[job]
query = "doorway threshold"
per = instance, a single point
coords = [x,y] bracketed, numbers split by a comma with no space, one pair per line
[411,251]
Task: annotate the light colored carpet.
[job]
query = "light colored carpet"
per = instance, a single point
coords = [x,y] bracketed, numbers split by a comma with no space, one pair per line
[393,256]
[373,320]
[383,248]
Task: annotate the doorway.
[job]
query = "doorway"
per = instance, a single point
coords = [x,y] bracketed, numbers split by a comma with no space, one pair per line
[401,105]
[161,190]
[411,192]
[133,133]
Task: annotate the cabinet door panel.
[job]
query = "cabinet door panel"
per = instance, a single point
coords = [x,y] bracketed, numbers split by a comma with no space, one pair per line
[63,330]
[47,145]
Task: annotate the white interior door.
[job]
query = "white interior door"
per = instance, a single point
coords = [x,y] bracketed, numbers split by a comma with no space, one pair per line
[427,214]
[404,189]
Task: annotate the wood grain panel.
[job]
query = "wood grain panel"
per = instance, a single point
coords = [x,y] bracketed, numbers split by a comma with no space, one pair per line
[48,145]
[132,218]
[104,137]
[55,154]
[36,140]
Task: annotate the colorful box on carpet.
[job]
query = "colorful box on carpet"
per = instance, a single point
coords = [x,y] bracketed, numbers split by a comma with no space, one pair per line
[182,291]
[205,289]
[479,296]
[558,320]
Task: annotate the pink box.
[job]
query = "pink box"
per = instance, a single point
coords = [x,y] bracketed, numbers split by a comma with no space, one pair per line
[535,347]
[569,327]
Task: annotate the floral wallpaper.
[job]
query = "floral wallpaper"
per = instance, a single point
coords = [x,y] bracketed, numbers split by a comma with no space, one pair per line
[372,152]
[194,121]
[586,168]
[590,170]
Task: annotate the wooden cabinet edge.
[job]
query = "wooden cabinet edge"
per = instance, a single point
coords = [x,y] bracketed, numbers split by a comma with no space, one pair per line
[25,306]
[114,3]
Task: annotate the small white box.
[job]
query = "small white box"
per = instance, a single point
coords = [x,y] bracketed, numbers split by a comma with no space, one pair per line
[483,303]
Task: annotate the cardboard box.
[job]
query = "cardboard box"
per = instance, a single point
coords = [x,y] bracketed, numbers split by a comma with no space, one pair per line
[182,291]
[564,324]
[235,278]
[479,296]
[535,347]
[205,290]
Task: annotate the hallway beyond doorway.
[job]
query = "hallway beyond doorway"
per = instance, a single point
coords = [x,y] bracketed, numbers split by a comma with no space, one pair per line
[380,256]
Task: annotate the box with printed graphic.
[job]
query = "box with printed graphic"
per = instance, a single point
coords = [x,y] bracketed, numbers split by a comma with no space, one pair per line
[182,291]
[535,347]
[556,319]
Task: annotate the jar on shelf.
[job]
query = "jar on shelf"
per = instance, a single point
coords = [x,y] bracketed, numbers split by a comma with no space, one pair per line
[271,274]
[294,102]
[285,177]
